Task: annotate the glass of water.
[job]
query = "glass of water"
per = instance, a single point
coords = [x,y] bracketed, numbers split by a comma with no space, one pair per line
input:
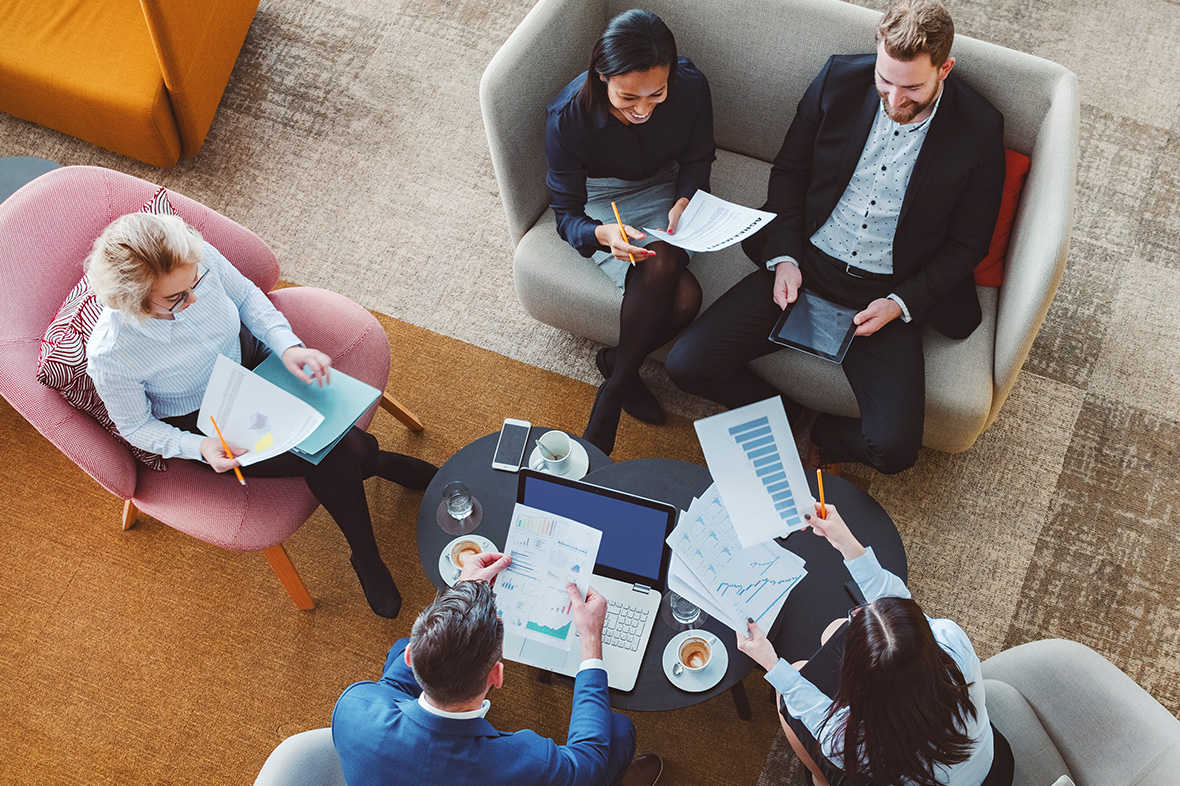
[679,613]
[459,512]
[457,498]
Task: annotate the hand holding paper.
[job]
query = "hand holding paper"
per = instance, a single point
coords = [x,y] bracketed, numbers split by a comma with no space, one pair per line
[710,223]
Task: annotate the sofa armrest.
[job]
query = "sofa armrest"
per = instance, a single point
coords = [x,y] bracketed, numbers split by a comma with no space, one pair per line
[549,48]
[197,43]
[1108,730]
[1039,243]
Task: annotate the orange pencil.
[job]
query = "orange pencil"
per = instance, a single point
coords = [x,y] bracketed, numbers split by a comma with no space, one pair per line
[823,509]
[230,453]
[615,208]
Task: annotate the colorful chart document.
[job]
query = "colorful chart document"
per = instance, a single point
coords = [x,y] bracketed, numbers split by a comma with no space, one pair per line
[547,553]
[710,223]
[743,582]
[751,454]
[254,414]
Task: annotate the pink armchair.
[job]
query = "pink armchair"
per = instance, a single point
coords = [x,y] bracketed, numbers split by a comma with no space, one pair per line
[46,230]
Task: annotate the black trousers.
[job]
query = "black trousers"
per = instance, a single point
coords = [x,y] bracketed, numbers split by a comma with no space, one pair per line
[885,370]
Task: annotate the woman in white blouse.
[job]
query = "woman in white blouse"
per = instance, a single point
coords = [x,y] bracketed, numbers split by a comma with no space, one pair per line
[908,704]
[173,303]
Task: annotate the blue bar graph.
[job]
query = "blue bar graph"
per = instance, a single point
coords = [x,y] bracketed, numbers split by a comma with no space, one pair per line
[756,440]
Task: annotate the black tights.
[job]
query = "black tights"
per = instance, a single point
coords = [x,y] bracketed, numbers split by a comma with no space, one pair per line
[660,300]
[337,483]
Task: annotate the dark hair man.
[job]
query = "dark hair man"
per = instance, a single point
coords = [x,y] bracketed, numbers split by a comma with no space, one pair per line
[423,722]
[887,188]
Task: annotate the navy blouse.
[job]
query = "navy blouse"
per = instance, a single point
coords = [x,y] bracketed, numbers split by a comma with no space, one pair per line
[581,144]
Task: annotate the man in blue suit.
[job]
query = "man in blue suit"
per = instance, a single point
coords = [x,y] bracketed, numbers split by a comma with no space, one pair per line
[423,722]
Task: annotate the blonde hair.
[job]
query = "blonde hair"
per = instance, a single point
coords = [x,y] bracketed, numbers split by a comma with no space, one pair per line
[131,255]
[911,27]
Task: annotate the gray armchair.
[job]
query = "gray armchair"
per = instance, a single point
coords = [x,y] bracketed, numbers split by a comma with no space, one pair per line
[1066,710]
[760,56]
[304,759]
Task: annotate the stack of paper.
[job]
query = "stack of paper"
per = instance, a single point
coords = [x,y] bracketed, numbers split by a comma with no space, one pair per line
[712,569]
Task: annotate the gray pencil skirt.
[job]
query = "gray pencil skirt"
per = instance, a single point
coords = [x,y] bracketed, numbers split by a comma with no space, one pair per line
[642,203]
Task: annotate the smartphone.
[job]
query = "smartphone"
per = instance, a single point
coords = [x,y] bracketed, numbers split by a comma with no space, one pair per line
[514,438]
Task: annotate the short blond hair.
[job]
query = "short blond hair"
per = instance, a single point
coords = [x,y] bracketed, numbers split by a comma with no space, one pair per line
[131,255]
[911,27]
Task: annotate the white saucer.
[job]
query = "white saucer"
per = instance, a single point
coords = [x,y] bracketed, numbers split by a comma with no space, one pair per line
[696,681]
[449,573]
[579,462]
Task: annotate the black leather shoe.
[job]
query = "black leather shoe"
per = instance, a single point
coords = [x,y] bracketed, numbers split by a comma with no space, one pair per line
[380,590]
[638,402]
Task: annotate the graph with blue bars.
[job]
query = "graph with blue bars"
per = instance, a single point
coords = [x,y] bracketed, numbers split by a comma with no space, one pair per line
[757,442]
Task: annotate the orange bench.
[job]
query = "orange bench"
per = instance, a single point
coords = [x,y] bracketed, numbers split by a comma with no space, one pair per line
[139,77]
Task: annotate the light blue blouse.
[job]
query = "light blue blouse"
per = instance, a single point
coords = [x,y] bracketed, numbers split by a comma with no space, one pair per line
[809,704]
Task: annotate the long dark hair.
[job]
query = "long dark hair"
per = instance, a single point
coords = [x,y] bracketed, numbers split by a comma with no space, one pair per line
[635,40]
[907,700]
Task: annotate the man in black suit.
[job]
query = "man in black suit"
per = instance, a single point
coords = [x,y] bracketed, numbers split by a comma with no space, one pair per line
[887,188]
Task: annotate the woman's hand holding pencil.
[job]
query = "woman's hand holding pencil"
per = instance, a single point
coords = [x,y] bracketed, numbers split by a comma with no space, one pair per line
[832,527]
[617,237]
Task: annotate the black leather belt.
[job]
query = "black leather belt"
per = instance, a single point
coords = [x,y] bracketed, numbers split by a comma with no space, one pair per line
[859,272]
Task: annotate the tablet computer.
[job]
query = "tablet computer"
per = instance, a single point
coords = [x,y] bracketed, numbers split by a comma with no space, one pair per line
[816,326]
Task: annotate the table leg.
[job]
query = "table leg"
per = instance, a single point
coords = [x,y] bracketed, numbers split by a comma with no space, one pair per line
[740,701]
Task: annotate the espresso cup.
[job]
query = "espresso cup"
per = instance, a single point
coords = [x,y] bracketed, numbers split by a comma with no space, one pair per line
[695,653]
[558,445]
[462,551]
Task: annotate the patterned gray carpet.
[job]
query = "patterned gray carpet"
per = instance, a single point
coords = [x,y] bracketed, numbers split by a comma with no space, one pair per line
[350,140]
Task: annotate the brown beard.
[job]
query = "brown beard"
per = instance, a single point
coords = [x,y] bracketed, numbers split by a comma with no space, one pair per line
[907,114]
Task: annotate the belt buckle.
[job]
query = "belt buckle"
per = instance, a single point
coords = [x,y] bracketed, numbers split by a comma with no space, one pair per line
[849,268]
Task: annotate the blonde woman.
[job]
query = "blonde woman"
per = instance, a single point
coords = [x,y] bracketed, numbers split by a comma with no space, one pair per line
[172,304]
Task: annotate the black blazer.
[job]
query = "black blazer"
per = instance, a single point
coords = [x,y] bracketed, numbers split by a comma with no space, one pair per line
[950,206]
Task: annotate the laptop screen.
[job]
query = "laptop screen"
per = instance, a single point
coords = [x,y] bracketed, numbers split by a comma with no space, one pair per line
[633,528]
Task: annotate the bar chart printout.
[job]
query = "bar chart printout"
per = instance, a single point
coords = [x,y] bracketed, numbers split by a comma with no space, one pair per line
[547,551]
[752,456]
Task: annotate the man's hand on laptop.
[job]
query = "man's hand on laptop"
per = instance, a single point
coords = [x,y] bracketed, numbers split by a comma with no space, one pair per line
[589,617]
[484,566]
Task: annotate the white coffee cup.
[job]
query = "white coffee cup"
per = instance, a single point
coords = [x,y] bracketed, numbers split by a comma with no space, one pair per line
[695,653]
[558,445]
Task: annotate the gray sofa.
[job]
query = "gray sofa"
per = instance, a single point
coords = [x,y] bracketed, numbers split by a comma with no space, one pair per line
[1066,710]
[759,56]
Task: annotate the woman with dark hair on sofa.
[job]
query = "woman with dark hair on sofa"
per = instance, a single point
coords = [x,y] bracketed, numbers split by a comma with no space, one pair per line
[172,304]
[636,129]
[892,696]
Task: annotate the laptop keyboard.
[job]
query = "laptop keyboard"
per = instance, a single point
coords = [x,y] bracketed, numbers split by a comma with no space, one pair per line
[624,625]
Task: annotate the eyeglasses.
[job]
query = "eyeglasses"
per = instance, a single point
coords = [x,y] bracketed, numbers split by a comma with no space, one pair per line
[183,297]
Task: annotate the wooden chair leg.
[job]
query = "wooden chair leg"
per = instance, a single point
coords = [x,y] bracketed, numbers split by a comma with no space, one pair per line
[276,555]
[399,411]
[129,514]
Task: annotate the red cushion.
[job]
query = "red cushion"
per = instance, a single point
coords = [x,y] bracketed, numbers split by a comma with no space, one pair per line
[62,362]
[990,272]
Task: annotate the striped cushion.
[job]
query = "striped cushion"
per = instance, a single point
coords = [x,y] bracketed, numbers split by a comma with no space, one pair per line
[62,362]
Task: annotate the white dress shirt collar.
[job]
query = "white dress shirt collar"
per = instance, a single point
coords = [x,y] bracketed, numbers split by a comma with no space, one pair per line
[466,715]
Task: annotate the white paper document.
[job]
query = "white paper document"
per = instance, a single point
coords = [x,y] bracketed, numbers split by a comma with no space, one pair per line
[253,413]
[710,223]
[752,456]
[548,551]
[743,582]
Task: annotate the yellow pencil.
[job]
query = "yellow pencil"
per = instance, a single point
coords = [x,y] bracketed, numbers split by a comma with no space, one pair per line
[823,509]
[615,208]
[230,453]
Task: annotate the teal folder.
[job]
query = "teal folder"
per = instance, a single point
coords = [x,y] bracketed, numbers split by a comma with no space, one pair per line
[342,402]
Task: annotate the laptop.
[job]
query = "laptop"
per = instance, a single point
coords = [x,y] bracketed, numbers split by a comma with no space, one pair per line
[631,572]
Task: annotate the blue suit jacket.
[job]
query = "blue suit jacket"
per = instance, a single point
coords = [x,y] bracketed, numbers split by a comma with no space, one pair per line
[384,737]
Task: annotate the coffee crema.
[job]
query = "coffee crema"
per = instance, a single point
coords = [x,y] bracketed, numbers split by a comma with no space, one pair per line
[695,653]
[463,550]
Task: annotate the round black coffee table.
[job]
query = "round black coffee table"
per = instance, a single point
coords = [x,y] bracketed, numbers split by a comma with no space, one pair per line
[495,490]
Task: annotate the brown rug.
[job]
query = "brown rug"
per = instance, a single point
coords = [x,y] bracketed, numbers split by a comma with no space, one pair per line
[149,657]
